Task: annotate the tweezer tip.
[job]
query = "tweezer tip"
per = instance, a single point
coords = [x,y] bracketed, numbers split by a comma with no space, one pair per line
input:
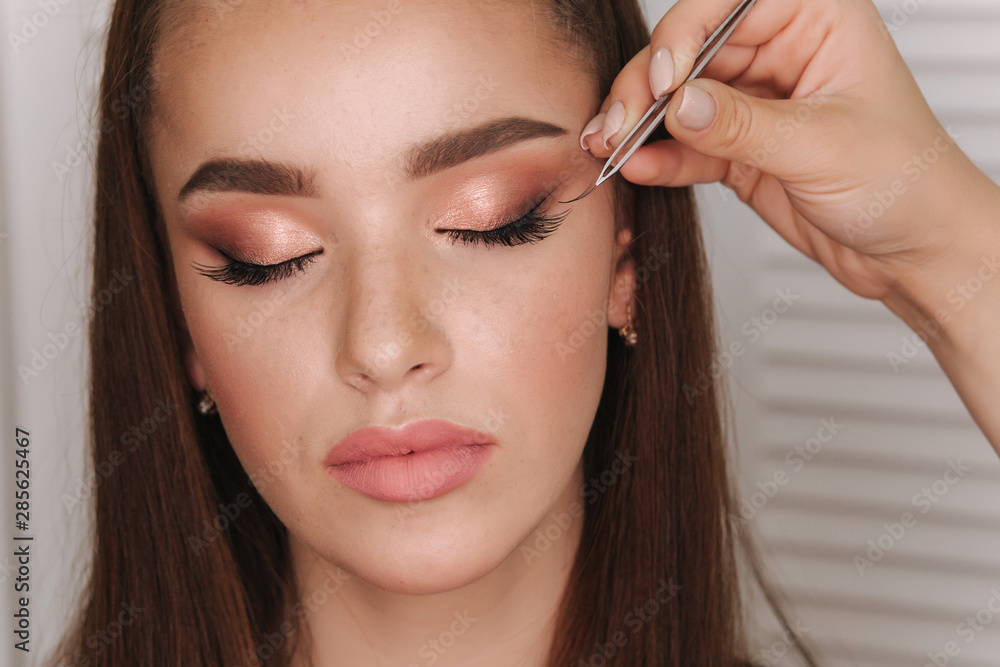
[606,173]
[589,190]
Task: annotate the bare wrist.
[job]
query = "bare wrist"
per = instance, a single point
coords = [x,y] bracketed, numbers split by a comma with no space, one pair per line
[952,299]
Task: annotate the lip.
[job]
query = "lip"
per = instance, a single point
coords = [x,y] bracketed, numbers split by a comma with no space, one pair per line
[423,460]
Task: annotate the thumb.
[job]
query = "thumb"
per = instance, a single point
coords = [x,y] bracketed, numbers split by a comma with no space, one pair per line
[719,121]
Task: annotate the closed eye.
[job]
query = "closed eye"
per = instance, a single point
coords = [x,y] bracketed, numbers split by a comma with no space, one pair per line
[531,227]
[237,272]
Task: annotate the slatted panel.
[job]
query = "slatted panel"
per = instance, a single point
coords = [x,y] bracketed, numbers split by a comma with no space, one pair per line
[828,357]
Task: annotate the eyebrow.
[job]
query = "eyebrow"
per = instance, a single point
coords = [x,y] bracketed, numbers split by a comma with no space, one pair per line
[449,150]
[455,148]
[242,175]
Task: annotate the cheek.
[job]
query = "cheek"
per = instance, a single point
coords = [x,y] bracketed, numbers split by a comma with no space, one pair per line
[562,340]
[243,337]
[545,341]
[564,322]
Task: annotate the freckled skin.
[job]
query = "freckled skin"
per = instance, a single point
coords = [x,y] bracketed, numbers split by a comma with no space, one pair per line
[393,322]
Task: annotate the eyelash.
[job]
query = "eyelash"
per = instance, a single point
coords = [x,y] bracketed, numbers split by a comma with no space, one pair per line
[245,273]
[529,228]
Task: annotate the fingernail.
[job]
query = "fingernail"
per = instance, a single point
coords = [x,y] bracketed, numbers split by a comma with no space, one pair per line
[697,110]
[595,125]
[614,120]
[661,71]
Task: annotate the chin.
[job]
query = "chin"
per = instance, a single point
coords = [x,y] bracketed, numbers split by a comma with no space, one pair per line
[424,564]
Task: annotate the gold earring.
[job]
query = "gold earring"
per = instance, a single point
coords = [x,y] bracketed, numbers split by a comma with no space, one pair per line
[206,405]
[628,332]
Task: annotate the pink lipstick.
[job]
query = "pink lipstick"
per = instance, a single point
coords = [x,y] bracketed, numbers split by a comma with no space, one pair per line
[423,460]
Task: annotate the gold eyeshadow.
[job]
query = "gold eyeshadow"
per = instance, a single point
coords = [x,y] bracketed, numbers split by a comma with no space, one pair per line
[257,234]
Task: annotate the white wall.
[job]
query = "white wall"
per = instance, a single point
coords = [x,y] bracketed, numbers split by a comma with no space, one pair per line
[46,79]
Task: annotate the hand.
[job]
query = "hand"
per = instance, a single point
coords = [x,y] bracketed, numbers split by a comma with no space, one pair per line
[821,129]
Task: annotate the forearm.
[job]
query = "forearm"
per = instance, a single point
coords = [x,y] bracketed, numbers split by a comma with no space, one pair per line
[957,297]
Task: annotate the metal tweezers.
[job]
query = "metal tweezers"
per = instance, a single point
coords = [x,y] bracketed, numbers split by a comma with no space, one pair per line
[654,116]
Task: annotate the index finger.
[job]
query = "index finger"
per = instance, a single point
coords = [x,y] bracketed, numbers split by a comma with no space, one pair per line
[682,32]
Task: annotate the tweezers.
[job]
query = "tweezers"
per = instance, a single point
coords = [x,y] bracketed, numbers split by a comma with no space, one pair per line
[654,116]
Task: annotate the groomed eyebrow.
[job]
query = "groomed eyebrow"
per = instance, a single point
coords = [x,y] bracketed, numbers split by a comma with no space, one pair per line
[450,150]
[453,149]
[256,176]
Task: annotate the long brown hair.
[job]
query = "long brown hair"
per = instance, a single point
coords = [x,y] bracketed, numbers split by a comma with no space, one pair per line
[661,533]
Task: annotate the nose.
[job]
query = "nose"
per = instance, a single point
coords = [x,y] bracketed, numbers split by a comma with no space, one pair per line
[393,331]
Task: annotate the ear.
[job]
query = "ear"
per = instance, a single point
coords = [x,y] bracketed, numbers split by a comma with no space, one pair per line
[622,291]
[192,364]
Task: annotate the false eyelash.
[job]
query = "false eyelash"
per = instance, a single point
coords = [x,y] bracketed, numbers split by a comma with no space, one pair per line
[246,273]
[529,228]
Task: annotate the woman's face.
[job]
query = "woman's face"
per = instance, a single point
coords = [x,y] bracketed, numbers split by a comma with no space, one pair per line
[356,131]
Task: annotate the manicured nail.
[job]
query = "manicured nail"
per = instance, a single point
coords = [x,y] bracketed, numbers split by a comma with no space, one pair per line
[614,120]
[697,110]
[595,125]
[661,71]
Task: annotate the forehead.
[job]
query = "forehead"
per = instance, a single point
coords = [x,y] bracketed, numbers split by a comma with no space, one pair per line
[353,82]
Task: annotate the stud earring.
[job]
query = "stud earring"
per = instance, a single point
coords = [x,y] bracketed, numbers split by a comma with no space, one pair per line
[628,332]
[206,405]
